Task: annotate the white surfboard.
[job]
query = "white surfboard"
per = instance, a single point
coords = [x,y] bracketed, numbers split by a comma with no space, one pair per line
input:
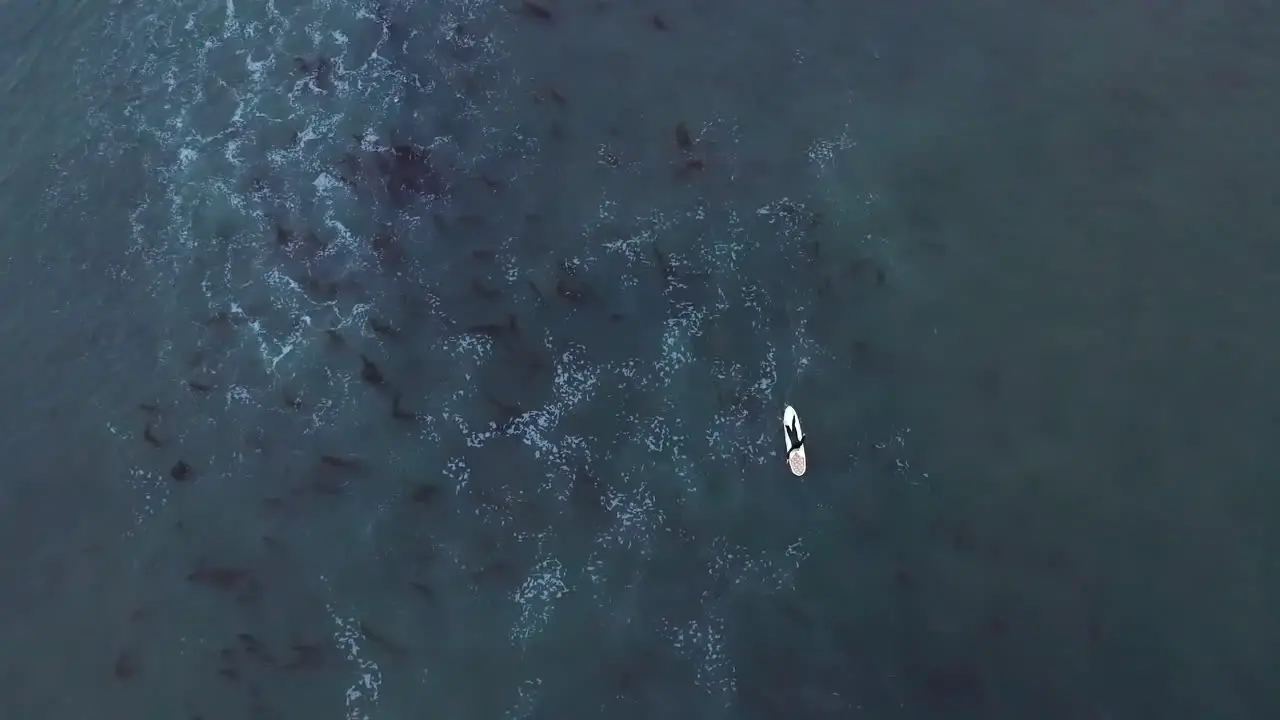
[795,455]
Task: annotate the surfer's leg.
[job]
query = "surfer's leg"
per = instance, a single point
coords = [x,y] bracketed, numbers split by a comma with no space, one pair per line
[793,435]
[793,438]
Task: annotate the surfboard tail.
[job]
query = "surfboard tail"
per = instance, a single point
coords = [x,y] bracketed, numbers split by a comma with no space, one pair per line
[797,463]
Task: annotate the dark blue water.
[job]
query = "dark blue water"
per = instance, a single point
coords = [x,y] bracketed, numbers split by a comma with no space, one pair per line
[426,359]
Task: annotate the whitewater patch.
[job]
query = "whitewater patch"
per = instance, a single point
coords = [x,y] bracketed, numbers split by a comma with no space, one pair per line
[537,596]
[363,695]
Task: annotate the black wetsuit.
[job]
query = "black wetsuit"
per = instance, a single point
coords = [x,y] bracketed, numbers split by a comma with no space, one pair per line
[794,441]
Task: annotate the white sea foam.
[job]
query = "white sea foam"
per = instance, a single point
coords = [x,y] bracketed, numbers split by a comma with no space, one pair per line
[537,596]
[363,695]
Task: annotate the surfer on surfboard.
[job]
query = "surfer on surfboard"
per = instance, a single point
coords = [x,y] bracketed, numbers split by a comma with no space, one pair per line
[795,441]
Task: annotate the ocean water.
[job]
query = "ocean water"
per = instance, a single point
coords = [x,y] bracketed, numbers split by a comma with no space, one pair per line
[426,359]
